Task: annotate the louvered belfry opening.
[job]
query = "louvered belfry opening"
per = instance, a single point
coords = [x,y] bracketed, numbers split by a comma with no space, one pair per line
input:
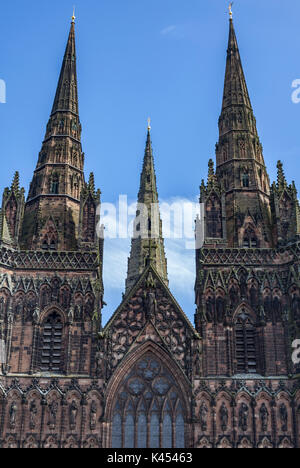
[245,345]
[51,355]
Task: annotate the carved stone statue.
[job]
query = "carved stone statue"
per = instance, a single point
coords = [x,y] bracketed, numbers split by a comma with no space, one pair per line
[71,315]
[243,417]
[33,413]
[93,415]
[73,414]
[283,417]
[53,408]
[150,305]
[203,417]
[264,417]
[210,309]
[13,411]
[224,417]
[36,315]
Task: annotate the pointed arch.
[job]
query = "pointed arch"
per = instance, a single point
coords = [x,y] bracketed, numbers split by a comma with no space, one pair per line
[160,403]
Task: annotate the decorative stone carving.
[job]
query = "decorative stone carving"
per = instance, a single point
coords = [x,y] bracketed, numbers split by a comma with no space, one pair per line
[33,414]
[203,417]
[73,412]
[93,415]
[243,417]
[283,414]
[13,411]
[150,305]
[53,409]
[224,417]
[264,417]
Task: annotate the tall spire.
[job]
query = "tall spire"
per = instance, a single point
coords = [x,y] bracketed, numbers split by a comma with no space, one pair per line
[241,167]
[66,98]
[147,244]
[235,87]
[58,180]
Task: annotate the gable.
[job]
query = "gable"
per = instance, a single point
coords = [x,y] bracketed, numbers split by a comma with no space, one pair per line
[150,312]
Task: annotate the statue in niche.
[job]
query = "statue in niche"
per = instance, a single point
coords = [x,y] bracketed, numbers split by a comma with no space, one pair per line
[55,290]
[65,298]
[296,308]
[13,411]
[71,315]
[19,309]
[243,417]
[264,417]
[244,289]
[53,409]
[73,414]
[78,312]
[220,309]
[33,414]
[89,306]
[210,309]
[224,417]
[283,417]
[93,415]
[203,417]
[36,315]
[233,293]
[150,305]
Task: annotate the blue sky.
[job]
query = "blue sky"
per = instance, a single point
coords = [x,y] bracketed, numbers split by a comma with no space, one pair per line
[166,59]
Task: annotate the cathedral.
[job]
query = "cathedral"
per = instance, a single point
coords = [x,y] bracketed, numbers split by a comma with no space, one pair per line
[150,378]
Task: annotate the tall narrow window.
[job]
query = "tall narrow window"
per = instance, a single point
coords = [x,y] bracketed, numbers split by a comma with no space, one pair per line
[246,181]
[245,344]
[149,405]
[55,185]
[52,344]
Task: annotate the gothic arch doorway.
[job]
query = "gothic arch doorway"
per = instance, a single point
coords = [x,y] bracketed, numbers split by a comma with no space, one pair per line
[148,409]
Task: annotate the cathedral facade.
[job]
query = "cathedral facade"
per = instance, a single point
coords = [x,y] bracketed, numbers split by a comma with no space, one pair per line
[149,378]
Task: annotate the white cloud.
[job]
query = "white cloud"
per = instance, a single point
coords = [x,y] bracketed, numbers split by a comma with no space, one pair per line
[181,269]
[168,30]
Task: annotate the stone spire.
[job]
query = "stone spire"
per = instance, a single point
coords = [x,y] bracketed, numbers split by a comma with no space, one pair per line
[147,244]
[241,169]
[235,87]
[58,180]
[66,98]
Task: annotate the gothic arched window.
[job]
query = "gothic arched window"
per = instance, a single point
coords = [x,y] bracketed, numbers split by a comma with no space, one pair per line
[51,346]
[246,180]
[54,185]
[148,411]
[245,344]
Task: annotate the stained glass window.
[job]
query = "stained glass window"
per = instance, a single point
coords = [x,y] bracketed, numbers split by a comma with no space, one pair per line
[148,411]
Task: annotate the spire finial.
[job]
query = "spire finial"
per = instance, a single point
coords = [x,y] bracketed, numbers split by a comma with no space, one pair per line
[73,17]
[230,9]
[149,124]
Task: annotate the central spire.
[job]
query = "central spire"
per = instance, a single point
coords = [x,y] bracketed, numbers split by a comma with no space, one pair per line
[147,246]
